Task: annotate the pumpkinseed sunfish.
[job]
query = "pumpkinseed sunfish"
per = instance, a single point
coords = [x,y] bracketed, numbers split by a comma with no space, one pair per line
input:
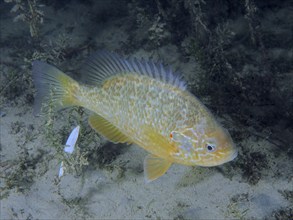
[140,102]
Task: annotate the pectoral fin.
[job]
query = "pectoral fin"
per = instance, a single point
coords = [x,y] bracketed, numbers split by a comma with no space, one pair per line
[154,167]
[157,143]
[107,129]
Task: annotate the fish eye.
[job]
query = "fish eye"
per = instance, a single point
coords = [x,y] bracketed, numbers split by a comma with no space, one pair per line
[210,147]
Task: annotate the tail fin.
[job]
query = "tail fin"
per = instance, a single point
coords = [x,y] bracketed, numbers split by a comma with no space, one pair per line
[53,86]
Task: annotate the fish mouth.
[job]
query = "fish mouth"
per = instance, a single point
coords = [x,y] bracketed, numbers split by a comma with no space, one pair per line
[234,155]
[231,156]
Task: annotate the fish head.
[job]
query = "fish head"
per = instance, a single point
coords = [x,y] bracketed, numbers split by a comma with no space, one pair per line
[216,148]
[205,147]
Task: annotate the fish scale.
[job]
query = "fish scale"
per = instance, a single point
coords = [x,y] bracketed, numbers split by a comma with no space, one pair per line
[141,102]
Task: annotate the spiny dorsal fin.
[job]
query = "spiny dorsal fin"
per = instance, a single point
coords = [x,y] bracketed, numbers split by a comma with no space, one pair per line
[154,167]
[102,65]
[108,130]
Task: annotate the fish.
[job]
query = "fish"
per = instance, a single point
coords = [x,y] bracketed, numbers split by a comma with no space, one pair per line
[142,102]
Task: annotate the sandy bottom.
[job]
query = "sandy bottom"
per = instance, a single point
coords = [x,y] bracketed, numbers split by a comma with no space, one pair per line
[120,192]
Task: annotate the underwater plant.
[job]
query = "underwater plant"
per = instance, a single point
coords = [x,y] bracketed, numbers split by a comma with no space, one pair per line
[158,33]
[29,12]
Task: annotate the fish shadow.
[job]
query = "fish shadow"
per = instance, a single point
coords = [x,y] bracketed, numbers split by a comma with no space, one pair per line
[196,175]
[106,154]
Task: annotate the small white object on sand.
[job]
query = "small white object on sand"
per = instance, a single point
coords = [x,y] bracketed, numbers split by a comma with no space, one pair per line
[70,143]
[69,146]
[61,170]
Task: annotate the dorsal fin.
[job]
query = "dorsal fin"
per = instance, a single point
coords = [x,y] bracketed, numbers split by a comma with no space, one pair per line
[102,65]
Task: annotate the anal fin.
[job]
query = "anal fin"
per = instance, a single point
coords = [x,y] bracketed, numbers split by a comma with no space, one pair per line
[154,167]
[107,129]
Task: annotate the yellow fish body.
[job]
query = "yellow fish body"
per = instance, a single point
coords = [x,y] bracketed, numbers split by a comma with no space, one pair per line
[143,103]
